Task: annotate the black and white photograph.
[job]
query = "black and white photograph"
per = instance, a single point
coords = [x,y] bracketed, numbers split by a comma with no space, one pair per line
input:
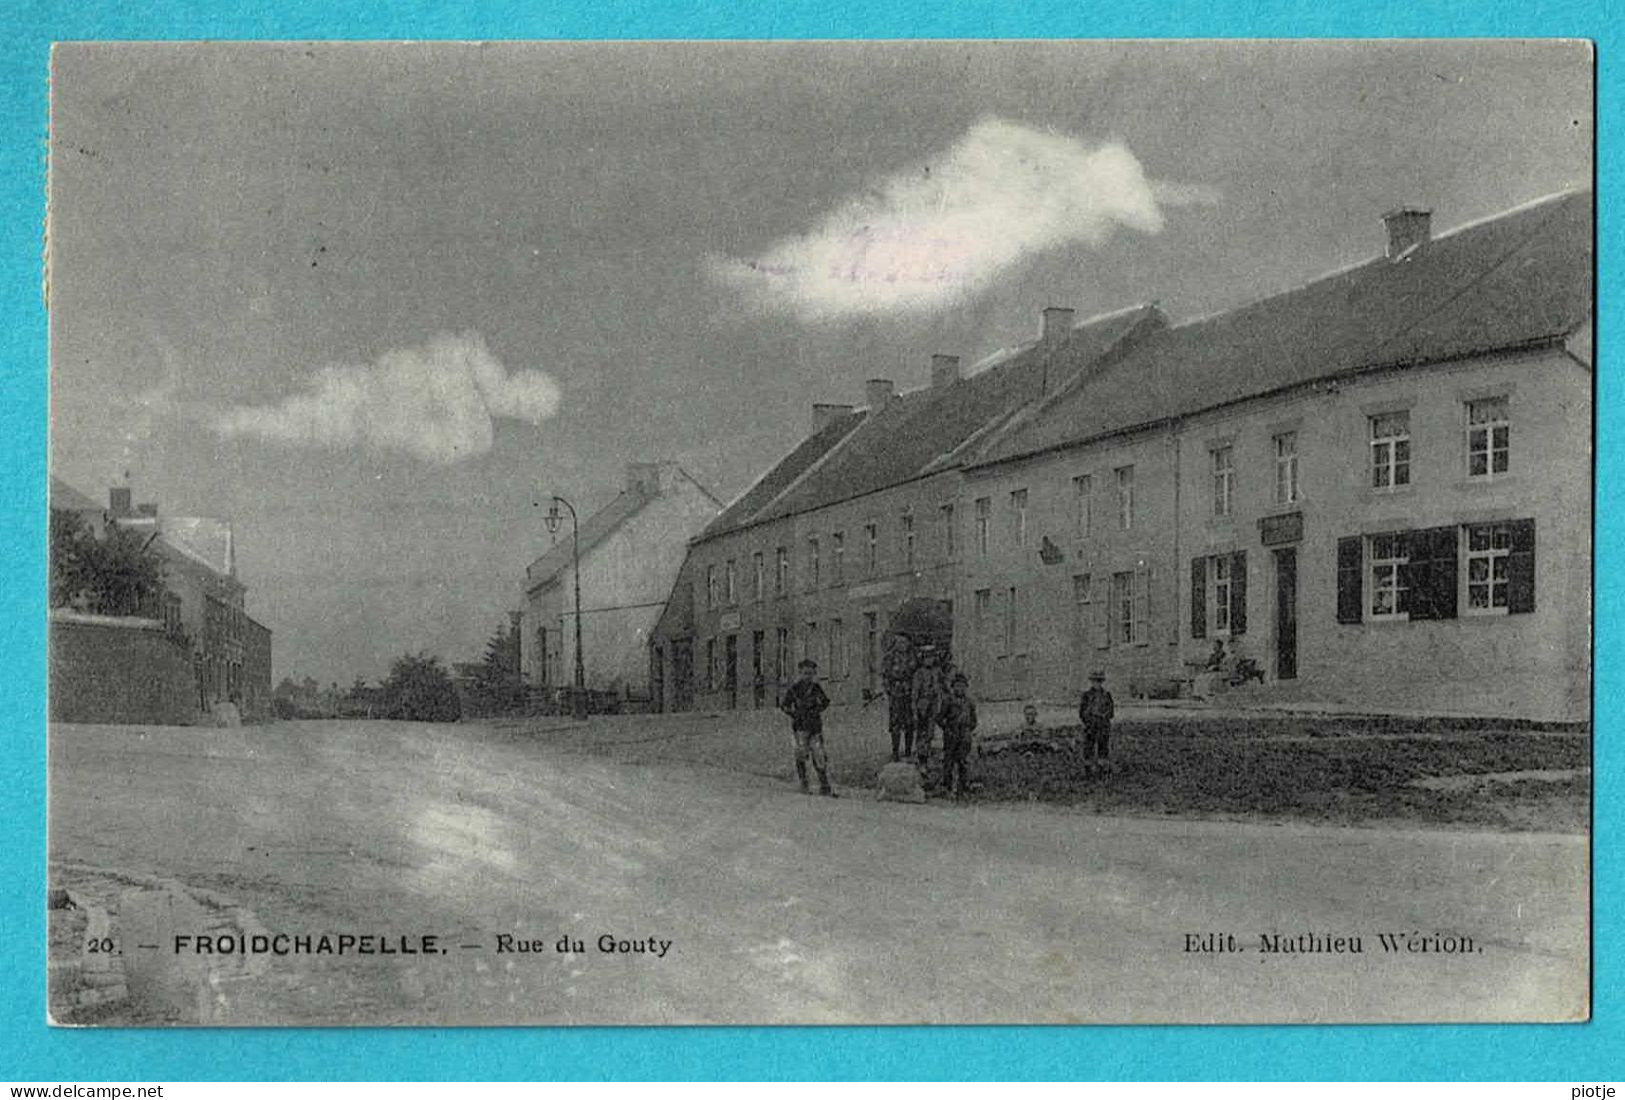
[824,532]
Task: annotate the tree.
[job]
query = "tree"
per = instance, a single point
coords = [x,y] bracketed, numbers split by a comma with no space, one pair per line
[420,690]
[498,685]
[114,575]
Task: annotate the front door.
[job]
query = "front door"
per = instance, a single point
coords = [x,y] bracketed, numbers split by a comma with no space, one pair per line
[1286,613]
[758,682]
[682,674]
[731,670]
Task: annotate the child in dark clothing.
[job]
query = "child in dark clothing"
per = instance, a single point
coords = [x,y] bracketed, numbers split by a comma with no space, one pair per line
[805,703]
[1096,711]
[958,719]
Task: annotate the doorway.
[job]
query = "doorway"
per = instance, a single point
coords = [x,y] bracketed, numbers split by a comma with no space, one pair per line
[731,670]
[1286,613]
[758,639]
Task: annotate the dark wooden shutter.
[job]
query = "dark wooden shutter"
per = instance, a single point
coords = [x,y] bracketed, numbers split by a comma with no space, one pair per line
[1238,592]
[1350,564]
[1198,597]
[1433,573]
[1521,568]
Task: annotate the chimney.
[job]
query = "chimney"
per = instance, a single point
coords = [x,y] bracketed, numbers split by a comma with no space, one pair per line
[879,392]
[148,510]
[118,502]
[1057,325]
[944,370]
[645,477]
[1408,227]
[826,414]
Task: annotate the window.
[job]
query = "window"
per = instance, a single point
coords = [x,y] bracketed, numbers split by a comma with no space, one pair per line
[1082,606]
[1018,519]
[984,508]
[1125,497]
[947,514]
[837,648]
[1123,608]
[729,583]
[979,614]
[837,564]
[871,652]
[1224,479]
[907,522]
[1488,430]
[781,571]
[1391,450]
[1390,594]
[710,664]
[1286,468]
[758,577]
[812,563]
[871,535]
[1012,638]
[781,654]
[1083,492]
[1489,554]
[1219,601]
[809,649]
[1219,595]
[710,586]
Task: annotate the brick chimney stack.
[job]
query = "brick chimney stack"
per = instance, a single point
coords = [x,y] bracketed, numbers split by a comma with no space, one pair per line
[944,370]
[1057,325]
[825,414]
[1408,227]
[879,393]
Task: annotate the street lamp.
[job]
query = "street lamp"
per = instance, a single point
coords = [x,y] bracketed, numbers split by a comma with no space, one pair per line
[552,520]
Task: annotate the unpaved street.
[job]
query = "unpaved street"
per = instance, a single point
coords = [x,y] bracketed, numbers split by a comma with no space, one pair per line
[781,908]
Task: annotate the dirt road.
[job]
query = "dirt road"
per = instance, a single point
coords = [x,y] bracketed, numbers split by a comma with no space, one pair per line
[778,908]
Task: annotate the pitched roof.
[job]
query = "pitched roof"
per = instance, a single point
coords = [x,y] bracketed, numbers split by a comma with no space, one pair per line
[203,540]
[783,473]
[65,498]
[925,430]
[1505,282]
[594,530]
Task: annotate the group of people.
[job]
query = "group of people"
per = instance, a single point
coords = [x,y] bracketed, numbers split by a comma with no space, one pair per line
[926,693]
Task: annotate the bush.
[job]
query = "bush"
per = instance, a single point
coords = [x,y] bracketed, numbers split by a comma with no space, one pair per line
[420,690]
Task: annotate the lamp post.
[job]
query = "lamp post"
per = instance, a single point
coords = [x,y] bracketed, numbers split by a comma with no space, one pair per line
[553,520]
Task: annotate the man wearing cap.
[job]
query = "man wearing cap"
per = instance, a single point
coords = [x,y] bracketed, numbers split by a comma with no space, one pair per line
[928,691]
[804,701]
[898,669]
[1095,711]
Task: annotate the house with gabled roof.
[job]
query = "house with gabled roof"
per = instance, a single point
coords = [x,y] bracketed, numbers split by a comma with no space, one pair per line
[1373,489]
[631,550]
[859,517]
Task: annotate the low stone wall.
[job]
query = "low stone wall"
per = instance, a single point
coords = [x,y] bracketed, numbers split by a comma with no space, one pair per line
[119,671]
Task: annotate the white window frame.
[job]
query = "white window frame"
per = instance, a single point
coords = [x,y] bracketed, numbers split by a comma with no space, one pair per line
[1481,437]
[984,510]
[981,611]
[1222,463]
[758,564]
[813,577]
[1491,555]
[1018,518]
[730,582]
[871,534]
[1083,493]
[837,558]
[1083,605]
[1122,608]
[1391,451]
[710,587]
[1285,448]
[1013,636]
[1219,579]
[946,512]
[906,526]
[1385,575]
[781,565]
[1125,497]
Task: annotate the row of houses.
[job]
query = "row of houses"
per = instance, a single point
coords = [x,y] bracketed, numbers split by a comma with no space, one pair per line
[1376,487]
[224,654]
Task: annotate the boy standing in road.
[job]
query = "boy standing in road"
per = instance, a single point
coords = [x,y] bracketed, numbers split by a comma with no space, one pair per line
[958,727]
[1096,711]
[805,702]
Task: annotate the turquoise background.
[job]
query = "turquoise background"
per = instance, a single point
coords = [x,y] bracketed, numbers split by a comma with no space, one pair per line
[29,1051]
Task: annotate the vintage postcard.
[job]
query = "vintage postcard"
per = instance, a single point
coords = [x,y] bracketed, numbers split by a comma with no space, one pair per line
[877,532]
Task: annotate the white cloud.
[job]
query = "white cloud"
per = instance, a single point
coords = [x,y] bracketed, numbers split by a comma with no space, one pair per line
[924,238]
[436,402]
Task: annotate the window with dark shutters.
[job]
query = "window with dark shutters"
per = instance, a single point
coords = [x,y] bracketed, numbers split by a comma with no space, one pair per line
[1432,573]
[1350,566]
[1238,593]
[1521,568]
[1198,597]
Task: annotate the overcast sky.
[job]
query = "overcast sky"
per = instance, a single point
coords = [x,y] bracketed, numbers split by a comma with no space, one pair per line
[373,303]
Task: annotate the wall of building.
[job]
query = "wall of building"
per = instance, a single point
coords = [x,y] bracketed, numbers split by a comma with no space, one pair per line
[119,671]
[256,703]
[1070,579]
[1531,664]
[625,581]
[838,619]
